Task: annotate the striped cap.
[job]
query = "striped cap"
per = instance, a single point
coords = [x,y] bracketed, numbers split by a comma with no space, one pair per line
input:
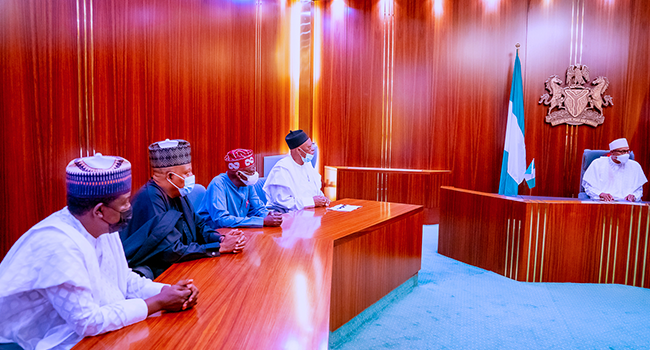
[168,153]
[98,176]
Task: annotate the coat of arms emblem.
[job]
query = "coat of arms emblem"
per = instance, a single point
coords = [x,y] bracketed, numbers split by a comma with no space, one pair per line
[575,103]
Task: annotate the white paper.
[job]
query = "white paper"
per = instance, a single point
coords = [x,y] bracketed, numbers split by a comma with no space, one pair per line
[344,207]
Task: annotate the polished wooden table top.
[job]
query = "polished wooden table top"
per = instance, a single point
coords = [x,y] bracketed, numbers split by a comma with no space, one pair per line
[274,295]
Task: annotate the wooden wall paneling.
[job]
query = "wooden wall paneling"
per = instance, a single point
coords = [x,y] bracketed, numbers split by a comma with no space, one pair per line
[394,185]
[483,53]
[40,124]
[366,187]
[330,89]
[408,188]
[272,122]
[636,101]
[353,62]
[414,126]
[202,72]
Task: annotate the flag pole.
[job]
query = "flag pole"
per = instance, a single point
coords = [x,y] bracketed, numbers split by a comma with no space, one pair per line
[530,191]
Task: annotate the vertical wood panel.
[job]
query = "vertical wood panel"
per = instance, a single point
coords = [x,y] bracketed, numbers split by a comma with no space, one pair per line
[39,110]
[351,86]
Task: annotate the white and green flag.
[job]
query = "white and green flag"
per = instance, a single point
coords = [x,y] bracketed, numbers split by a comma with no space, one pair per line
[514,153]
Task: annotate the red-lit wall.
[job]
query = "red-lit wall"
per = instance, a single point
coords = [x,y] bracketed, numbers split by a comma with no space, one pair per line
[418,89]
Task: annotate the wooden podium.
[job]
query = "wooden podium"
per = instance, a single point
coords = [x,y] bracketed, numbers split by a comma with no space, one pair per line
[545,239]
[291,286]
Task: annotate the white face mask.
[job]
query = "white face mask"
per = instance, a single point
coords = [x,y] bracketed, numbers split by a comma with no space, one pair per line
[187,188]
[623,158]
[250,179]
[308,156]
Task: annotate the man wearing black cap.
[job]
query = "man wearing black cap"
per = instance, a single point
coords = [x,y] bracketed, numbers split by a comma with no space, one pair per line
[293,183]
[165,228]
[67,277]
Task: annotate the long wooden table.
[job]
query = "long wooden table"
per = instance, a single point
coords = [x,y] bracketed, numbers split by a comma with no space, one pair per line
[291,286]
[545,239]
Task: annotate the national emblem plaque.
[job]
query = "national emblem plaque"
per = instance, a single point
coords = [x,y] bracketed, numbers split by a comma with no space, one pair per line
[575,103]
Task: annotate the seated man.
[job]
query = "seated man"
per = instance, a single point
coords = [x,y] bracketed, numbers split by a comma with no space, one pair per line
[164,228]
[293,183]
[67,278]
[231,200]
[615,178]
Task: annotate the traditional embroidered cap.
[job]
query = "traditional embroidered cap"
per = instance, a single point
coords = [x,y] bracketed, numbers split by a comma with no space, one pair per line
[239,158]
[168,153]
[619,143]
[98,176]
[295,138]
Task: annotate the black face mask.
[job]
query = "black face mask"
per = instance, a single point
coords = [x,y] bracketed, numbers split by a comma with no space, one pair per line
[125,217]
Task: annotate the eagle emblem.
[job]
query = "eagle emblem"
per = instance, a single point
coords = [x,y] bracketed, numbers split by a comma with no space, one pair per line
[575,103]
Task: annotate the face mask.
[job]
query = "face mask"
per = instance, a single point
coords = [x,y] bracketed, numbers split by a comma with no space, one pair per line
[125,217]
[251,179]
[623,158]
[307,158]
[187,188]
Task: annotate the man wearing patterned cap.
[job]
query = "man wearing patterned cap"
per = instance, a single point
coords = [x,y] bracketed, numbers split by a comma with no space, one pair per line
[231,200]
[615,178]
[293,183]
[67,278]
[165,229]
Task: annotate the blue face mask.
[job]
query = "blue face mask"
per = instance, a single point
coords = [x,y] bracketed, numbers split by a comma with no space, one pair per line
[187,188]
[308,156]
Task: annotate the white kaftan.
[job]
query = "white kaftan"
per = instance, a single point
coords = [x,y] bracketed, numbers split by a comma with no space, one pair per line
[59,284]
[619,180]
[290,186]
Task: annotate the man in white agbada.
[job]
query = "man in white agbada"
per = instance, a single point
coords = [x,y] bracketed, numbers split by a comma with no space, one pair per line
[67,277]
[615,178]
[293,183]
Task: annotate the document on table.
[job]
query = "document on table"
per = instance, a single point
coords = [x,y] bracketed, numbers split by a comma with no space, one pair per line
[344,207]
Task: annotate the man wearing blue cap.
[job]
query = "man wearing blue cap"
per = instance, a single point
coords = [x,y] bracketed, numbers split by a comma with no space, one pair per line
[67,277]
[293,183]
[165,228]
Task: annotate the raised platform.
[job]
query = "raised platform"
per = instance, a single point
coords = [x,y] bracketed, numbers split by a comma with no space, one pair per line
[542,239]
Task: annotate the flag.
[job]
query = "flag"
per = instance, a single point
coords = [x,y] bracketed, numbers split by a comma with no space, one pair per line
[514,152]
[529,175]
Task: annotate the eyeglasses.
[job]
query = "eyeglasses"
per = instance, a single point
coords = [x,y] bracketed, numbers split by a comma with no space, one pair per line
[624,151]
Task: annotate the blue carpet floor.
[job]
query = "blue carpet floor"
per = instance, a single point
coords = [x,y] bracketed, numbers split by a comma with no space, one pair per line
[459,306]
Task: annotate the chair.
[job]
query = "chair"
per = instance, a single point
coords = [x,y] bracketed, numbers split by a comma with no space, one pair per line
[589,156]
[196,196]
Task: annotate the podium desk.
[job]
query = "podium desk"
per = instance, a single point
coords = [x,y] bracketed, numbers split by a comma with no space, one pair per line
[546,239]
[291,286]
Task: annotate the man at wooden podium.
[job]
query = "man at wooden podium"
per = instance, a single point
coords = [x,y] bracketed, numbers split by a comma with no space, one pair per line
[615,178]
